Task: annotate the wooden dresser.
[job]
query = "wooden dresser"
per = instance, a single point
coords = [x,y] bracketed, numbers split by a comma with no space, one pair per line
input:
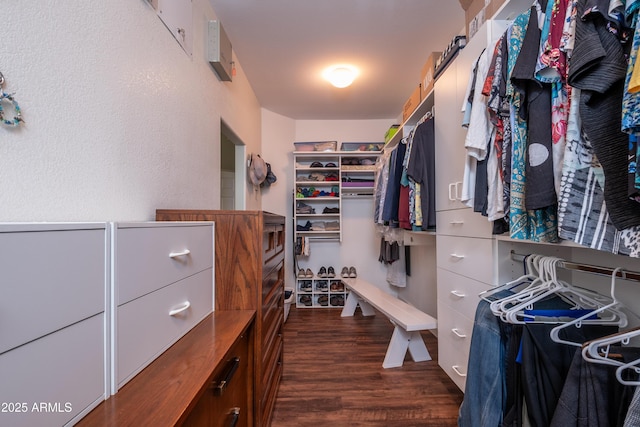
[249,275]
[204,379]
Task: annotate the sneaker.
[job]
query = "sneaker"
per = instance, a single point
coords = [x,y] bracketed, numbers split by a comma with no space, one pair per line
[322,272]
[344,273]
[309,273]
[331,273]
[323,300]
[305,286]
[352,272]
[302,273]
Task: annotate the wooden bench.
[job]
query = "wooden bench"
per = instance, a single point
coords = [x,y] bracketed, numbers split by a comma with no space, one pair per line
[407,319]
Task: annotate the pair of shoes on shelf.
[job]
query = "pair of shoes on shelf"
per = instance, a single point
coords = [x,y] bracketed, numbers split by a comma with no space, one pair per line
[322,286]
[326,272]
[305,286]
[323,300]
[337,300]
[349,273]
[305,300]
[337,286]
[305,274]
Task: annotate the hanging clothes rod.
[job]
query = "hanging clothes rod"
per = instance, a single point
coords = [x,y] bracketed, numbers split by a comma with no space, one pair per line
[588,268]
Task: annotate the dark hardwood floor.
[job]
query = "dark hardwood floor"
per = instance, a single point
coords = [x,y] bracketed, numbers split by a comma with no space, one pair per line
[333,376]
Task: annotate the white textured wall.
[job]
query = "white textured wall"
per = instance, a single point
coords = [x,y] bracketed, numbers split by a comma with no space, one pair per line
[119,120]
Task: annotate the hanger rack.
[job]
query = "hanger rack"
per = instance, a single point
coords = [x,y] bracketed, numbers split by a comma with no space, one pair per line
[588,268]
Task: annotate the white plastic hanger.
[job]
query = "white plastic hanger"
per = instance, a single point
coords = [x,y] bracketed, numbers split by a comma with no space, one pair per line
[531,274]
[616,317]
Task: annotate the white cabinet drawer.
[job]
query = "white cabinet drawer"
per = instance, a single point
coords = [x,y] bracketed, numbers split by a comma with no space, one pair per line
[463,222]
[454,340]
[468,256]
[50,279]
[149,256]
[458,292]
[145,327]
[65,370]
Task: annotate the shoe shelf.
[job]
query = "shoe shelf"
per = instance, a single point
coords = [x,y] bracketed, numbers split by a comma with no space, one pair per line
[322,180]
[320,292]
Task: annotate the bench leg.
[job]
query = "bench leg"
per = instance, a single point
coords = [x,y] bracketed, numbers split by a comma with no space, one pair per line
[401,341]
[352,303]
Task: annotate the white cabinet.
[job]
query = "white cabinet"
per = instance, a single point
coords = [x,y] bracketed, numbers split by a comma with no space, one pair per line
[53,341]
[464,241]
[163,286]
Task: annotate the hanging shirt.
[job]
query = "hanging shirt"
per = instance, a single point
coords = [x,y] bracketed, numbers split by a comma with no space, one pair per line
[421,168]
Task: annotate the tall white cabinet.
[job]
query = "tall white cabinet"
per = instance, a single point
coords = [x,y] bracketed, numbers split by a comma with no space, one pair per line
[464,254]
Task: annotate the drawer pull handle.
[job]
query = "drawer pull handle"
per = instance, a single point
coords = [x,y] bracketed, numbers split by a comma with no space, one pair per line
[458,333]
[179,310]
[179,254]
[458,294]
[456,369]
[234,415]
[452,198]
[232,367]
[456,256]
[456,222]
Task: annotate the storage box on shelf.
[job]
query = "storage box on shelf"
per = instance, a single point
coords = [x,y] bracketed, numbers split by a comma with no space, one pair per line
[411,103]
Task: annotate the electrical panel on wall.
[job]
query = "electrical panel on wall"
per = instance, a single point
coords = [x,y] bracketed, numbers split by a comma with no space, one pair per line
[177,16]
[219,51]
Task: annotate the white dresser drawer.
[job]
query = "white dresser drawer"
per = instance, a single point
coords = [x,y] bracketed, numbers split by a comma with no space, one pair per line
[463,222]
[51,278]
[458,292]
[65,371]
[145,327]
[454,341]
[151,255]
[468,256]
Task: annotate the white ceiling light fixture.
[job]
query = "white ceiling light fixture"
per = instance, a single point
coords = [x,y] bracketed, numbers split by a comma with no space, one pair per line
[341,75]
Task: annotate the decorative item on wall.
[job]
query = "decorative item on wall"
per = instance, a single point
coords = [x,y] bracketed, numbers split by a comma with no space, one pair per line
[8,99]
[257,170]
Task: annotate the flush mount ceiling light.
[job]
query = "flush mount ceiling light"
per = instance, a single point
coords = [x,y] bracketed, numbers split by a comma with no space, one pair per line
[340,75]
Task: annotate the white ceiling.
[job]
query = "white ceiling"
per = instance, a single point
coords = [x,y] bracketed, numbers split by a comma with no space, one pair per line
[283,46]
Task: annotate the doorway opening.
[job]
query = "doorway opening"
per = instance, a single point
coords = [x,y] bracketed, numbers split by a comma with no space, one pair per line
[232,169]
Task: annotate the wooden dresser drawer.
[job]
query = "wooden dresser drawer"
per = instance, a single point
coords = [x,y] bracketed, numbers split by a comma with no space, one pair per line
[51,277]
[468,256]
[459,292]
[147,326]
[226,402]
[151,255]
[65,369]
[273,278]
[463,222]
[272,240]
